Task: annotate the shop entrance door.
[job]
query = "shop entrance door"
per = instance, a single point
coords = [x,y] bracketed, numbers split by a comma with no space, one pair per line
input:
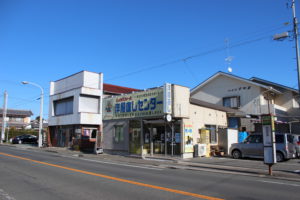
[158,136]
[135,141]
[61,138]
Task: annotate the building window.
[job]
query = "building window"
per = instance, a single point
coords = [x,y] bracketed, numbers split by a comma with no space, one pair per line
[231,102]
[212,133]
[89,133]
[63,106]
[94,134]
[119,134]
[89,104]
[295,103]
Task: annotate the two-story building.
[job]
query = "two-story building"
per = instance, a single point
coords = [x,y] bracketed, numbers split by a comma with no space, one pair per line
[162,120]
[75,109]
[18,119]
[253,97]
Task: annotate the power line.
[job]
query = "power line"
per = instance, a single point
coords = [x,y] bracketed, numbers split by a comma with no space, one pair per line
[238,43]
[241,42]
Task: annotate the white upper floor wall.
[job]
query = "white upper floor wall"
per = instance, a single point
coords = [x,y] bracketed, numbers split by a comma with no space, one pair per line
[251,96]
[76,99]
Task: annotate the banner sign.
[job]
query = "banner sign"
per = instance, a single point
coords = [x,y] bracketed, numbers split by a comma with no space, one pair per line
[268,120]
[167,98]
[188,138]
[141,104]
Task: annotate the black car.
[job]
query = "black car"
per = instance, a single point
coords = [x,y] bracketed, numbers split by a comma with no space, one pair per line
[25,139]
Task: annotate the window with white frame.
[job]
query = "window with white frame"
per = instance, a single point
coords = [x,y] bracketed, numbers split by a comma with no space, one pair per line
[231,102]
[118,133]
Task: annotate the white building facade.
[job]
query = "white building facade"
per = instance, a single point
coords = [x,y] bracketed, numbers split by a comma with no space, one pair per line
[75,111]
[254,97]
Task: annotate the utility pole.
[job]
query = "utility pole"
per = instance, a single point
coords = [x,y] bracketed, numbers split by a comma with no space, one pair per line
[40,141]
[295,21]
[4,111]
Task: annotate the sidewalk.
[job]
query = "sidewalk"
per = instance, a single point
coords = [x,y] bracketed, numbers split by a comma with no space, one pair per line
[289,170]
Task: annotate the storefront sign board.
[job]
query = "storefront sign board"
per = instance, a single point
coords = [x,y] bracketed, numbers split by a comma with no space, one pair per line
[141,104]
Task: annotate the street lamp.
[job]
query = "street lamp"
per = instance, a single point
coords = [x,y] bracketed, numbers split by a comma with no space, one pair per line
[41,110]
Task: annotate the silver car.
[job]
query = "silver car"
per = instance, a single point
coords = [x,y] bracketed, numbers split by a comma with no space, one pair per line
[297,144]
[253,147]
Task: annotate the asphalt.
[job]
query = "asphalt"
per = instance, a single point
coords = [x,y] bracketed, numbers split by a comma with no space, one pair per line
[289,170]
[29,173]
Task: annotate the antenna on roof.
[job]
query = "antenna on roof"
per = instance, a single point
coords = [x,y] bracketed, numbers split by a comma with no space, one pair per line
[229,58]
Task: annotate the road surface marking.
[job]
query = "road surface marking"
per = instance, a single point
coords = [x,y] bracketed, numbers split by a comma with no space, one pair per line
[273,182]
[121,164]
[116,179]
[5,196]
[106,162]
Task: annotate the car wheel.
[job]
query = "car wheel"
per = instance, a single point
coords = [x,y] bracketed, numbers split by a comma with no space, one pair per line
[20,141]
[279,156]
[236,154]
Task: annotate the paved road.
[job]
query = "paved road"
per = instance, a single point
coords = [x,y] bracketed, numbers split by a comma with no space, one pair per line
[33,175]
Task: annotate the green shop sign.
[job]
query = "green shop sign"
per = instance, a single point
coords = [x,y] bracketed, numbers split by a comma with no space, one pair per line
[141,104]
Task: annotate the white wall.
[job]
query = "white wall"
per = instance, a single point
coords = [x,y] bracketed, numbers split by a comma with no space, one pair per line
[223,86]
[82,83]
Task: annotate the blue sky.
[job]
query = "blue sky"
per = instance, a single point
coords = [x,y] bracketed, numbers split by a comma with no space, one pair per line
[45,40]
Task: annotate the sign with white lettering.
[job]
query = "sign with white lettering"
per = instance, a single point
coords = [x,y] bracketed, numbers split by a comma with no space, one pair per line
[167,98]
[141,104]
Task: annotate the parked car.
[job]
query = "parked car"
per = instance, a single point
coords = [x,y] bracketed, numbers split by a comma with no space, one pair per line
[297,144]
[25,139]
[253,147]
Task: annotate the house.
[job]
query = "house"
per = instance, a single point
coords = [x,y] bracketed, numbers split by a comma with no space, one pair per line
[18,119]
[160,121]
[254,97]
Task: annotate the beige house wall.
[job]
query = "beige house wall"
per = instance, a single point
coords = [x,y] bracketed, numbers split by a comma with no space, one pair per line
[27,120]
[181,101]
[223,86]
[201,116]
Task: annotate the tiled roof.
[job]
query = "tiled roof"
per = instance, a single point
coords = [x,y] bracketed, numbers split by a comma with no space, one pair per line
[197,88]
[13,112]
[275,85]
[115,89]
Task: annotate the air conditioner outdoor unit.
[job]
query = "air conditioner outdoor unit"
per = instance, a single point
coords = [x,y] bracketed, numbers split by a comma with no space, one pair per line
[200,150]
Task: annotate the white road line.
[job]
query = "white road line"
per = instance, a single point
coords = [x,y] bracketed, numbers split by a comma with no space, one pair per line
[105,162]
[5,196]
[120,164]
[279,183]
